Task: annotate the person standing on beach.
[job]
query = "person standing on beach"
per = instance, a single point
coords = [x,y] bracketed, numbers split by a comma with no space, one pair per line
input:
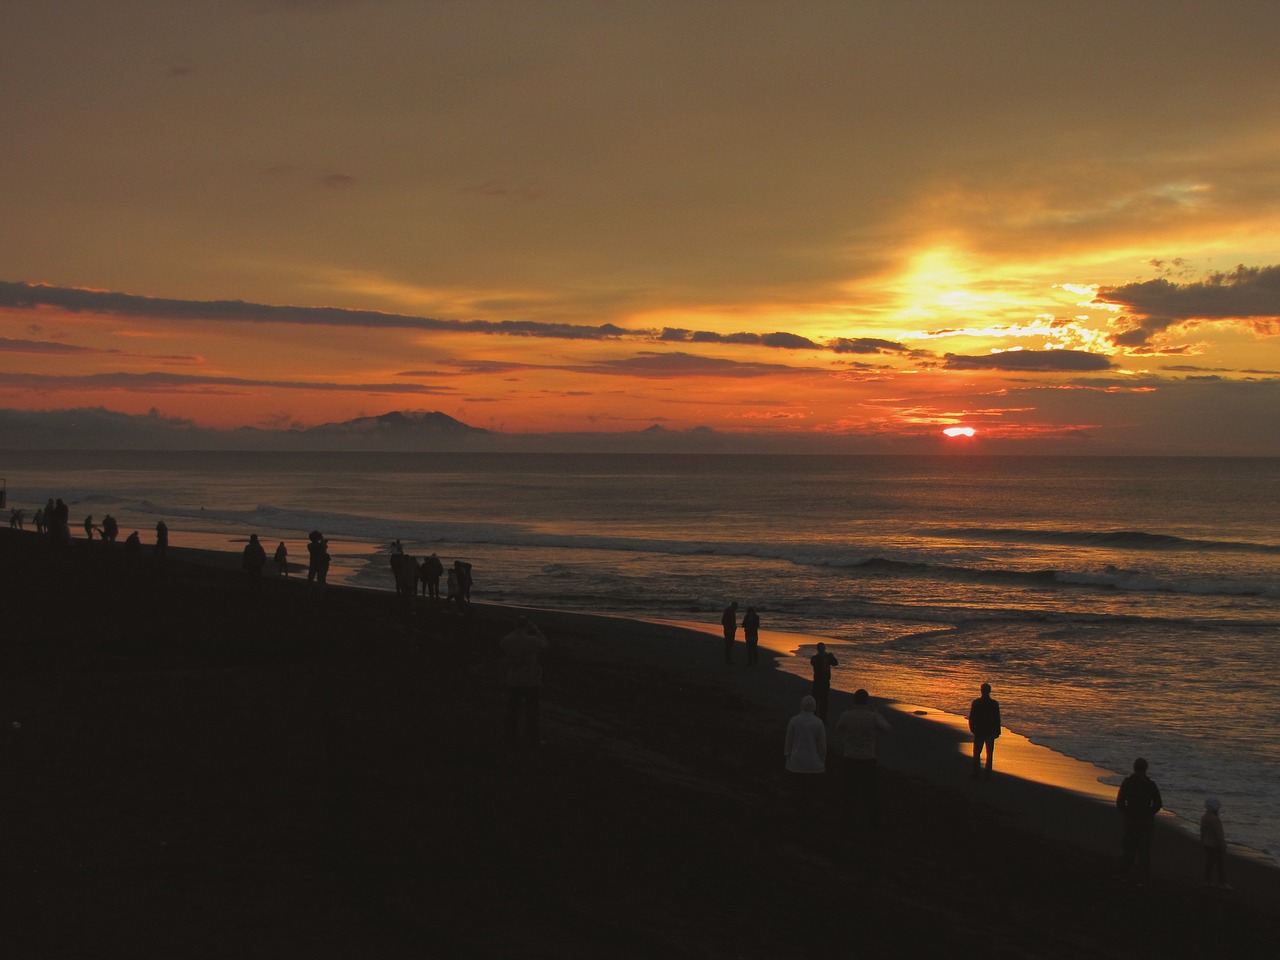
[521,651]
[162,539]
[1214,841]
[282,560]
[984,724]
[805,750]
[459,586]
[1138,801]
[317,559]
[822,662]
[253,560]
[451,589]
[751,633]
[729,621]
[465,581]
[861,793]
[432,571]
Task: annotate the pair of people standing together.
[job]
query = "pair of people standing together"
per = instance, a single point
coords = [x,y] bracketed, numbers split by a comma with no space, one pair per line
[750,631]
[805,750]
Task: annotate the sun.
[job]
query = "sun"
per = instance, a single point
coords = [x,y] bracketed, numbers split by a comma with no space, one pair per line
[959,431]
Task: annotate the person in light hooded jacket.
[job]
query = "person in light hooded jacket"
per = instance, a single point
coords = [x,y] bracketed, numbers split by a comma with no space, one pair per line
[1214,841]
[805,750]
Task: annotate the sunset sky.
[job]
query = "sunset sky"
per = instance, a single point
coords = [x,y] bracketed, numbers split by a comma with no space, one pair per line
[1053,223]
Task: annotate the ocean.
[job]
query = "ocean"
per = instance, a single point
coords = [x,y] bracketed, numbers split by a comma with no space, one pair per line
[1119,606]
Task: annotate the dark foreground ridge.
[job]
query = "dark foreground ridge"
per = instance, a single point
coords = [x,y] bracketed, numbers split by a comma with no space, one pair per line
[200,771]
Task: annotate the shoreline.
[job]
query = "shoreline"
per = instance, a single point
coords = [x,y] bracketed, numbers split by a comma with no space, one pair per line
[1017,756]
[205,771]
[1043,787]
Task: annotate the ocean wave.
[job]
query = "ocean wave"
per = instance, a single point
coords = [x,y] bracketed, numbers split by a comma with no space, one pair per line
[1114,578]
[913,561]
[1113,539]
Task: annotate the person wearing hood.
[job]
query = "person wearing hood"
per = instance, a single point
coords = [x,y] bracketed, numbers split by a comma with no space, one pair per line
[805,750]
[1214,841]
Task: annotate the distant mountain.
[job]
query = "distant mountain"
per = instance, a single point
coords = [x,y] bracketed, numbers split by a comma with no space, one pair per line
[404,431]
[399,425]
[96,428]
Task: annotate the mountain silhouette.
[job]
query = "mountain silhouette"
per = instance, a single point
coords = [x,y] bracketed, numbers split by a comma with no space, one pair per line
[401,423]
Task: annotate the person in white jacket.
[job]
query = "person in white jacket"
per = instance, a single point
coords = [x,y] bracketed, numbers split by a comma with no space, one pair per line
[806,752]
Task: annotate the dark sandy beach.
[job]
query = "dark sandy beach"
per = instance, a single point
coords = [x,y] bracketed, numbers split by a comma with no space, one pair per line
[192,770]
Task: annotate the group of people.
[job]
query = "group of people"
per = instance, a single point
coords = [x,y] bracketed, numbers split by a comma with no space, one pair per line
[408,572]
[1138,801]
[411,574]
[53,520]
[805,750]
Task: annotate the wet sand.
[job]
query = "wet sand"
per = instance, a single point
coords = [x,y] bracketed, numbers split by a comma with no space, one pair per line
[201,771]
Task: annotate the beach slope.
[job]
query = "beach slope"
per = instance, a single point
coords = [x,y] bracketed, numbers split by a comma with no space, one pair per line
[190,768]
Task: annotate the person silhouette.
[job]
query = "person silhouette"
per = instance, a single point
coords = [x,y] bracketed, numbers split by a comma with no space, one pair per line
[729,621]
[317,560]
[253,560]
[465,581]
[432,571]
[459,585]
[822,662]
[1138,800]
[805,750]
[162,539]
[861,794]
[404,572]
[1213,840]
[984,724]
[751,634]
[282,560]
[451,589]
[521,652]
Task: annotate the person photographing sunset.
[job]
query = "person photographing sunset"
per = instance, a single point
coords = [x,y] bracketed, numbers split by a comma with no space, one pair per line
[822,662]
